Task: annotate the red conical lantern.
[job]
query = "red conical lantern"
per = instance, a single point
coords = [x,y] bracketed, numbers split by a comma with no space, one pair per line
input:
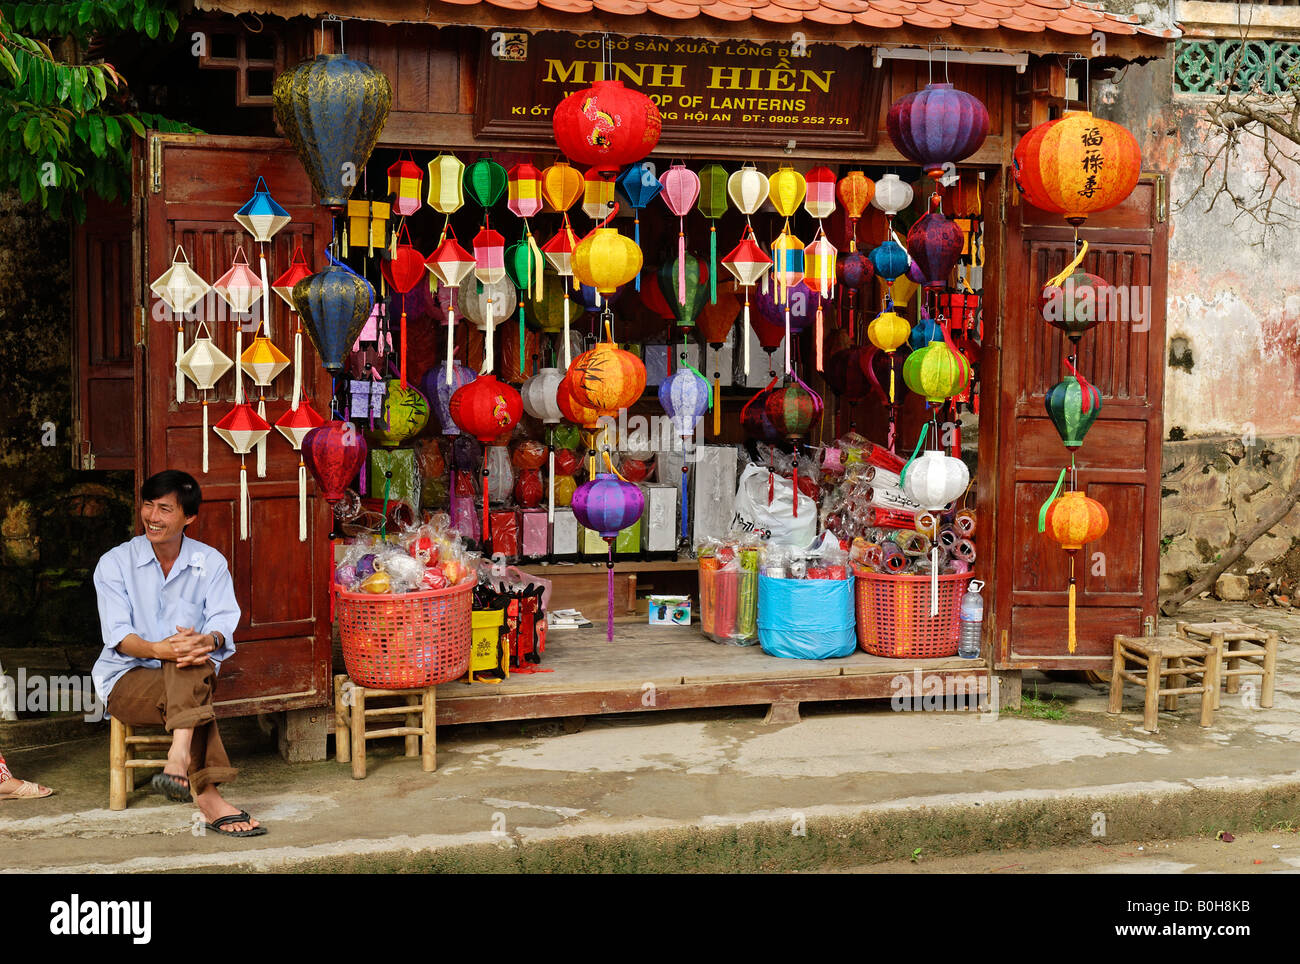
[403,271]
[607,125]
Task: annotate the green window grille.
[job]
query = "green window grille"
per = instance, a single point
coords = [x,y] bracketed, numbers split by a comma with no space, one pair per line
[1212,66]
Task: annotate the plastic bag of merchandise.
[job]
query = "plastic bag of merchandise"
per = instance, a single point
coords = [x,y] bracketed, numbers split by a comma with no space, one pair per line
[736,596]
[806,618]
[765,508]
[828,559]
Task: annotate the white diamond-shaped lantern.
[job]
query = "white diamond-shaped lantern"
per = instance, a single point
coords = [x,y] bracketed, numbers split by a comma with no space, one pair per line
[179,287]
[239,287]
[203,362]
[262,361]
[261,215]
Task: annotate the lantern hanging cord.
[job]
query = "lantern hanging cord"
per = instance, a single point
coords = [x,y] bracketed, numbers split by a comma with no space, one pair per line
[332,18]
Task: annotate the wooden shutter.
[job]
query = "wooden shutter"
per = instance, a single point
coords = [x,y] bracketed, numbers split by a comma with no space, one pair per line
[1118,464]
[189,188]
[105,434]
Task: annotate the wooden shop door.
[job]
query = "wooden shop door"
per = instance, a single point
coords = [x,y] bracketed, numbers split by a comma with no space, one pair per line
[186,190]
[1118,464]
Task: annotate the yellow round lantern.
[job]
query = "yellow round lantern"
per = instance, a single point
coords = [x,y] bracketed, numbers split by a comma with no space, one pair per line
[565,486]
[888,331]
[606,260]
[904,289]
[786,190]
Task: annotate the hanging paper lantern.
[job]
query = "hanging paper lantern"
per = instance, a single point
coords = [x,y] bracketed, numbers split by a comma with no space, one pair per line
[548,310]
[489,256]
[747,262]
[641,186]
[786,190]
[239,287]
[294,425]
[854,272]
[565,487]
[608,505]
[681,187]
[403,271]
[855,191]
[606,125]
[262,361]
[712,203]
[889,259]
[787,262]
[1073,521]
[925,331]
[485,408]
[820,199]
[1073,405]
[261,216]
[888,331]
[892,195]
[446,179]
[404,184]
[684,396]
[606,260]
[597,194]
[559,251]
[451,264]
[935,243]
[539,395]
[1077,165]
[606,378]
[435,387]
[242,429]
[1077,303]
[473,299]
[697,288]
[335,304]
[298,270]
[485,182]
[937,126]
[562,186]
[524,190]
[179,287]
[819,265]
[583,416]
[902,289]
[332,109]
[203,363]
[334,453]
[936,372]
[935,479]
[791,410]
[406,412]
[769,333]
[748,188]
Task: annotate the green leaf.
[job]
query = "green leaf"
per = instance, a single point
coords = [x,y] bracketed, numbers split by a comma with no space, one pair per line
[22,16]
[133,122]
[32,134]
[27,184]
[153,22]
[36,80]
[173,22]
[84,13]
[96,124]
[100,86]
[78,89]
[63,86]
[112,131]
[7,59]
[137,22]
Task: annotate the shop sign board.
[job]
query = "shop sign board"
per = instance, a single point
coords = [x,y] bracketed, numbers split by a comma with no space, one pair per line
[710,93]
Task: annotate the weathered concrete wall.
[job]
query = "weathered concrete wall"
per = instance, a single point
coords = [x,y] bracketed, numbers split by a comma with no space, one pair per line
[54,522]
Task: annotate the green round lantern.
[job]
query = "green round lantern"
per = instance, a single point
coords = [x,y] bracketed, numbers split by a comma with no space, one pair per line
[697,289]
[567,436]
[406,412]
[485,181]
[548,310]
[936,372]
[521,265]
[1073,405]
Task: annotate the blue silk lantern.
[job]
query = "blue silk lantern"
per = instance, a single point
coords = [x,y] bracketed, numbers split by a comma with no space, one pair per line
[332,109]
[593,301]
[335,304]
[641,186]
[924,331]
[608,504]
[889,260]
[436,388]
[684,395]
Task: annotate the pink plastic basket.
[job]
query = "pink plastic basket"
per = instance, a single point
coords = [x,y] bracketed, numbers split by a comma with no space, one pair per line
[894,615]
[406,641]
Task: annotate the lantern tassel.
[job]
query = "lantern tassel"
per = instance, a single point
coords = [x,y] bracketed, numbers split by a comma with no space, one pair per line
[818,337]
[550,486]
[266,290]
[745,332]
[239,355]
[451,332]
[717,404]
[567,360]
[681,268]
[609,585]
[486,542]
[522,371]
[1058,279]
[297,367]
[934,580]
[180,350]
[243,500]
[713,262]
[1073,641]
[205,433]
[636,239]
[261,445]
[302,501]
[796,482]
[401,369]
[787,338]
[685,505]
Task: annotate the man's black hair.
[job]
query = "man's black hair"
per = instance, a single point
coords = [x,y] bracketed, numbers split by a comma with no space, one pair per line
[173,480]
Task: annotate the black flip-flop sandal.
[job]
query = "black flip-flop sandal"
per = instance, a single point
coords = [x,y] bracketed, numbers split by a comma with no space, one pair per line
[220,823]
[174,788]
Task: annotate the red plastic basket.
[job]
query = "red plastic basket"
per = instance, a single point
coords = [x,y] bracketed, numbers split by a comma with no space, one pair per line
[894,615]
[406,641]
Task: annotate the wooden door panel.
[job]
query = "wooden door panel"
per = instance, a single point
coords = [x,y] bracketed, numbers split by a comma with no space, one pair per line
[190,189]
[1119,463]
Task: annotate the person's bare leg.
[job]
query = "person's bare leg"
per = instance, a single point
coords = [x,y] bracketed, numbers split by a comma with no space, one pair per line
[178,756]
[213,806]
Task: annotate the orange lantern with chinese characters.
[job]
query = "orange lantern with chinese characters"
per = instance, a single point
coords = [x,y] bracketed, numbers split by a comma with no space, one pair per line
[1077,165]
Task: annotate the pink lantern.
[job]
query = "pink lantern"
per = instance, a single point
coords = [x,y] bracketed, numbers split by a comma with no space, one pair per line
[820,199]
[240,288]
[681,186]
[524,187]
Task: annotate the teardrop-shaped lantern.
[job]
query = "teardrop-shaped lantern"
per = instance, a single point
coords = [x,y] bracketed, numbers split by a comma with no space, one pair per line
[562,186]
[334,304]
[334,453]
[485,182]
[748,189]
[1073,405]
[889,259]
[696,273]
[935,243]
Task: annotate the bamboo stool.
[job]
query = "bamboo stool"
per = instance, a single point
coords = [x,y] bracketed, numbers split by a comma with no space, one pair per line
[351,714]
[1156,657]
[124,765]
[1260,658]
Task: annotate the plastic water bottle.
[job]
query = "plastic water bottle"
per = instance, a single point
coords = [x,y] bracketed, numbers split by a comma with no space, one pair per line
[972,621]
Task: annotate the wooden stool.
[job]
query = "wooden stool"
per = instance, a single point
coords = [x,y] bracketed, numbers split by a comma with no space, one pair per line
[1259,656]
[1160,656]
[123,763]
[351,712]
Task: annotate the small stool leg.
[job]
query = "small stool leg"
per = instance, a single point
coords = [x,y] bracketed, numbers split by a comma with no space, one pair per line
[413,720]
[1218,645]
[117,765]
[1175,682]
[1210,693]
[1151,709]
[1270,668]
[342,727]
[358,714]
[429,720]
[1117,679]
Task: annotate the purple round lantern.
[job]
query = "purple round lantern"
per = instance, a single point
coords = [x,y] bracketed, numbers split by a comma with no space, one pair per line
[937,126]
[435,387]
[802,301]
[854,271]
[608,504]
[935,244]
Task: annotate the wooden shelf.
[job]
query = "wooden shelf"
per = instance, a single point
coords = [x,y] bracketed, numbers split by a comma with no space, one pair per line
[561,569]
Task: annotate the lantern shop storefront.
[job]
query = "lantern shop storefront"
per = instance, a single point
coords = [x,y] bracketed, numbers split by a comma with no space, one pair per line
[758,290]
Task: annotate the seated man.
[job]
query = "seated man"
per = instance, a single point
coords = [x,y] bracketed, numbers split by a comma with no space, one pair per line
[167,610]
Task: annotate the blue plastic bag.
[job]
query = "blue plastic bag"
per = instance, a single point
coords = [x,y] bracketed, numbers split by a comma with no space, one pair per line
[806,618]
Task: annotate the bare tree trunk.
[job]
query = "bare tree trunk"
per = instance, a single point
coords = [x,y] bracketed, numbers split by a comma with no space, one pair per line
[1233,552]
